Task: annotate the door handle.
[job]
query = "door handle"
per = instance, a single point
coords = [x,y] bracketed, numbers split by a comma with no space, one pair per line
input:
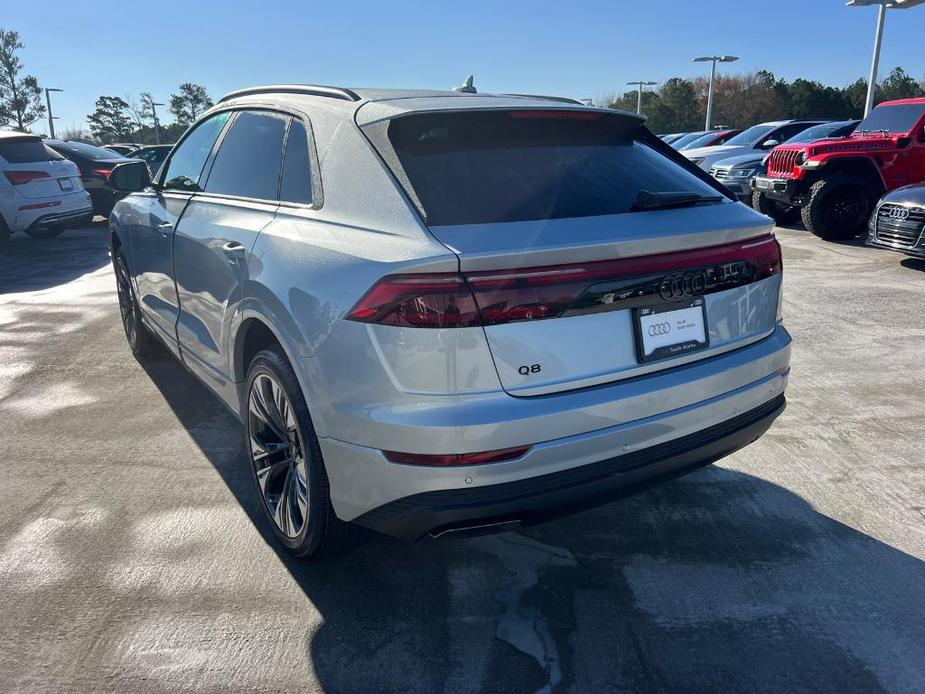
[234,251]
[165,228]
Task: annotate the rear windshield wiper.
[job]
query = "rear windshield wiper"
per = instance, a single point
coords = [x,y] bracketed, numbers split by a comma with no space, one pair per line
[647,200]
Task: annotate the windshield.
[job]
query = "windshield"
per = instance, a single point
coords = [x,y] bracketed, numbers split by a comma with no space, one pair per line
[751,136]
[701,141]
[88,151]
[817,132]
[482,167]
[684,139]
[892,119]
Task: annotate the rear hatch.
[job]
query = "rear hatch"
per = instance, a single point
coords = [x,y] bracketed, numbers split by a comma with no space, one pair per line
[35,171]
[591,251]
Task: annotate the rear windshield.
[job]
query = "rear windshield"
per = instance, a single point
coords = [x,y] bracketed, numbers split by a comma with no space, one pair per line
[88,151]
[26,151]
[892,119]
[479,167]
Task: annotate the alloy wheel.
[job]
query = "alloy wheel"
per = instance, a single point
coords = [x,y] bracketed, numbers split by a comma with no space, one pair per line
[127,308]
[278,454]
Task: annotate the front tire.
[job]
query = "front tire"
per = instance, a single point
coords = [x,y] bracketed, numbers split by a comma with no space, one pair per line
[140,341]
[838,207]
[286,461]
[783,215]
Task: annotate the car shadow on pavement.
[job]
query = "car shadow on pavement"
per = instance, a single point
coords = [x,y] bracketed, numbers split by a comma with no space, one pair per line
[28,264]
[718,581]
[913,263]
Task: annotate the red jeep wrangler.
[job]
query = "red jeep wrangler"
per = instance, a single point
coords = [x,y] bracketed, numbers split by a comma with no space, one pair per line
[836,183]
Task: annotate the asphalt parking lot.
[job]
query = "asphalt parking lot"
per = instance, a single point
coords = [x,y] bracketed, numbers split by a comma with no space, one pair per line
[132,555]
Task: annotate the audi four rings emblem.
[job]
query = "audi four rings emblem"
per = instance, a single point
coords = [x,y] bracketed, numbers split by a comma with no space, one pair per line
[682,285]
[659,329]
[899,213]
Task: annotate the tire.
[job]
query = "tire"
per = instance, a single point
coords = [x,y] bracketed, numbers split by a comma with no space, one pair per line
[47,233]
[782,214]
[140,340]
[287,464]
[838,207]
[4,231]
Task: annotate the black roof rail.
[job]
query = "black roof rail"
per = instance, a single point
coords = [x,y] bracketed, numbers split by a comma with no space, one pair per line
[560,99]
[309,89]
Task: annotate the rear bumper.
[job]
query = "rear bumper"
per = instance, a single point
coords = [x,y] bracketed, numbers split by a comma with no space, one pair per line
[538,499]
[64,219]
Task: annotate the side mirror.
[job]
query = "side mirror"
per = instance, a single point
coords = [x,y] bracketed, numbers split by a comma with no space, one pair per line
[130,176]
[770,144]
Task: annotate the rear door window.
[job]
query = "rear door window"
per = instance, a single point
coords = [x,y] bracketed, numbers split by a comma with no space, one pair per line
[26,151]
[250,157]
[296,185]
[477,167]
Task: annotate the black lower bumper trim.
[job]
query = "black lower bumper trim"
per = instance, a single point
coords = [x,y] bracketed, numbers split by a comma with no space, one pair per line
[538,499]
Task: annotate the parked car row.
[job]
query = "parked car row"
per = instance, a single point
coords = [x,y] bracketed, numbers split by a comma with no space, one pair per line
[839,178]
[50,185]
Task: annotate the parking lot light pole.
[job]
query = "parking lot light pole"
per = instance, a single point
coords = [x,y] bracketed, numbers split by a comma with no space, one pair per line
[641,84]
[882,7]
[713,60]
[51,118]
[157,128]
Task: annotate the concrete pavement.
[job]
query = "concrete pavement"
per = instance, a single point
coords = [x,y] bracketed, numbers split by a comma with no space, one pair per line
[133,557]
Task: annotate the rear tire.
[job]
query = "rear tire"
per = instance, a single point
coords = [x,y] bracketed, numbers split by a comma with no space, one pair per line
[287,464]
[48,233]
[782,214]
[140,340]
[838,207]
[4,231]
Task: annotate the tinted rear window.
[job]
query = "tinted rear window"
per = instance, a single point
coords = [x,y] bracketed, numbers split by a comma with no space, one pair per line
[250,156]
[25,151]
[479,167]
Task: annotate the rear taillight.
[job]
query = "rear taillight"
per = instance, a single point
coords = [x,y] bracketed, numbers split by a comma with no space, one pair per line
[444,459]
[102,172]
[452,300]
[419,301]
[18,178]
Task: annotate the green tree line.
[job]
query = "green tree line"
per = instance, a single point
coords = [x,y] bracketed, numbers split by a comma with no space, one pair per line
[745,99]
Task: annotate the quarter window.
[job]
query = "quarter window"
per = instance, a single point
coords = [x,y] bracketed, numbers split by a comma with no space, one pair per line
[297,171]
[250,156]
[185,166]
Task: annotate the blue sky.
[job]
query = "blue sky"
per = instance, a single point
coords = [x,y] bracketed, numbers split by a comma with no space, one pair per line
[578,48]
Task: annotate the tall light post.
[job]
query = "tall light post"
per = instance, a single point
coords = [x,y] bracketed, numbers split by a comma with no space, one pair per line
[882,7]
[641,84]
[51,118]
[713,60]
[157,127]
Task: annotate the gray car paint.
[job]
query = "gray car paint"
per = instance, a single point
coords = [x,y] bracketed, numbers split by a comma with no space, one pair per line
[372,388]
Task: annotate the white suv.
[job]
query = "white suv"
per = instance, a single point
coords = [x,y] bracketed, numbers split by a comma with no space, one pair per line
[40,191]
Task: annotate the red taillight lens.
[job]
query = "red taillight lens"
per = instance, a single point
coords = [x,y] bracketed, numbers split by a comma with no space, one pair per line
[18,178]
[102,172]
[444,459]
[492,297]
[418,301]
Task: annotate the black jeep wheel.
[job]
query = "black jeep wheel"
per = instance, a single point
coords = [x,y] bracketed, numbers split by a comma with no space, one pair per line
[838,207]
[782,214]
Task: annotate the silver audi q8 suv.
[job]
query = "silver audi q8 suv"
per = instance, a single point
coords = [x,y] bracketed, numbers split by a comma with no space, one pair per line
[441,311]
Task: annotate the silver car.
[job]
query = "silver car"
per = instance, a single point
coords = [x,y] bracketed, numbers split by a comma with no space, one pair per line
[440,312]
